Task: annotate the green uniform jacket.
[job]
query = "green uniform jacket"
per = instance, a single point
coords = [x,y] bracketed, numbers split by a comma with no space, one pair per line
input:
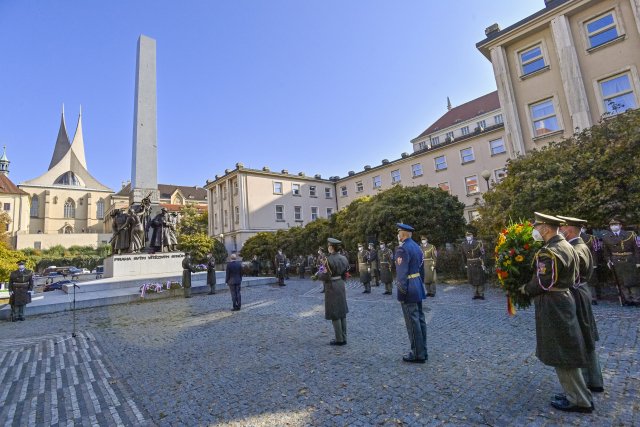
[335,294]
[473,255]
[187,269]
[429,254]
[582,295]
[559,340]
[363,267]
[623,252]
[20,283]
[386,260]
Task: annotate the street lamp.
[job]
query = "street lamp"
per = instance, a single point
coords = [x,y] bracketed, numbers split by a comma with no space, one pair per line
[486,175]
[221,236]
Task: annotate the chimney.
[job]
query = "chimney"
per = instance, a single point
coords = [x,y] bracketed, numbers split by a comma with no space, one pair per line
[491,29]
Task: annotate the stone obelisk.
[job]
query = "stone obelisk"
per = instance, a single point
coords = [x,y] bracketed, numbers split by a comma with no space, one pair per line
[144,162]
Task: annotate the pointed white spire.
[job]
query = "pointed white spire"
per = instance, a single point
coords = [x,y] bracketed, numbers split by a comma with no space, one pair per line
[77,146]
[62,142]
[449,104]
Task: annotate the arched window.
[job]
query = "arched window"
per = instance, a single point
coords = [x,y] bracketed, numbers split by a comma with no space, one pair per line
[69,209]
[100,209]
[35,206]
[69,178]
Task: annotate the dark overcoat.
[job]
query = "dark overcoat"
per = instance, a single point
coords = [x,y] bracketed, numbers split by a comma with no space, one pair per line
[20,283]
[187,269]
[363,267]
[335,294]
[582,295]
[211,271]
[386,260]
[559,340]
[473,255]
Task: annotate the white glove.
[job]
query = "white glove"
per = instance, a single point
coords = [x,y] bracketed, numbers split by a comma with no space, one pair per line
[522,291]
[638,265]
[368,269]
[609,264]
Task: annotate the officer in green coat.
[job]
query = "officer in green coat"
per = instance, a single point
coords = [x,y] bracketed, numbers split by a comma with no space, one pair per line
[385,256]
[332,271]
[559,340]
[581,293]
[211,273]
[187,269]
[363,268]
[623,257]
[473,254]
[429,253]
[20,284]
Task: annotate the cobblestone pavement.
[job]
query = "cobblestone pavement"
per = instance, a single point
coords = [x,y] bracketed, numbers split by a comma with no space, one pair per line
[194,362]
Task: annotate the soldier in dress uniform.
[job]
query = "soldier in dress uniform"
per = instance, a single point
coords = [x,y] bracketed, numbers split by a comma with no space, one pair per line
[281,267]
[333,272]
[385,256]
[363,268]
[473,254]
[559,340]
[408,259]
[430,253]
[211,273]
[300,266]
[374,264]
[595,247]
[582,295]
[20,283]
[623,257]
[187,269]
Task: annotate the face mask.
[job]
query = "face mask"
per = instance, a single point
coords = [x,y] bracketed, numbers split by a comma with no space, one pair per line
[536,236]
[21,267]
[381,246]
[424,242]
[583,230]
[469,239]
[360,248]
[615,228]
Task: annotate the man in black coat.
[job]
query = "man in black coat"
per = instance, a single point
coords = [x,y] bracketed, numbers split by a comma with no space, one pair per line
[233,279]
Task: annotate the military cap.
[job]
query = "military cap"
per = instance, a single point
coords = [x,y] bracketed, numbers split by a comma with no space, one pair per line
[614,221]
[423,236]
[360,244]
[163,210]
[405,227]
[547,219]
[333,241]
[469,233]
[381,242]
[371,243]
[574,222]
[21,262]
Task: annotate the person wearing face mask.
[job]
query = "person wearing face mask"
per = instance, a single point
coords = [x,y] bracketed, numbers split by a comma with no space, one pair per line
[20,285]
[559,340]
[595,247]
[364,270]
[333,274]
[281,267]
[620,249]
[385,255]
[429,253]
[580,291]
[410,292]
[473,255]
[374,264]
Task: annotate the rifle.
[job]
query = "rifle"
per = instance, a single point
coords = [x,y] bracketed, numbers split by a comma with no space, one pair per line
[621,297]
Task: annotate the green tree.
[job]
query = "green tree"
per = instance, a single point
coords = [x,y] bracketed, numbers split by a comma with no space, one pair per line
[9,259]
[594,175]
[5,220]
[192,221]
[262,244]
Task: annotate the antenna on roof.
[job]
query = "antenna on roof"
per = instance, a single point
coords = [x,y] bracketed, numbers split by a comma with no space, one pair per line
[448,104]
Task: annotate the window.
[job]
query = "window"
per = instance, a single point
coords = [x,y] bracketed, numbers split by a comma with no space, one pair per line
[450,135]
[327,192]
[69,209]
[617,94]
[225,218]
[500,174]
[7,206]
[214,195]
[224,192]
[359,187]
[314,213]
[422,145]
[471,184]
[464,130]
[277,187]
[497,146]
[377,182]
[215,220]
[444,186]
[237,215]
[466,155]
[395,176]
[441,163]
[498,119]
[601,30]
[100,209]
[435,140]
[235,187]
[329,212]
[416,170]
[279,212]
[312,191]
[35,206]
[343,191]
[544,118]
[37,245]
[297,213]
[531,60]
[295,189]
[473,215]
[481,124]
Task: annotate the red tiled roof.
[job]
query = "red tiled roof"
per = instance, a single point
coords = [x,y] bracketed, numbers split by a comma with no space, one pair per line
[176,208]
[166,190]
[8,187]
[461,113]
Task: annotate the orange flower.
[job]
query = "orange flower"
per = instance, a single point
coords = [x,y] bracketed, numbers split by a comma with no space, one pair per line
[519,258]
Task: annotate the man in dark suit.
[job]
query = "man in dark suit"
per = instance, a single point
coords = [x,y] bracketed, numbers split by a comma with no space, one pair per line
[233,280]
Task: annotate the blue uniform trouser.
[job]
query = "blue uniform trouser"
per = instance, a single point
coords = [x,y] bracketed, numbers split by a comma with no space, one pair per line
[416,328]
[235,295]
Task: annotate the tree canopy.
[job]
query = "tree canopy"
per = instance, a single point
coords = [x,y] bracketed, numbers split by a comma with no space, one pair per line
[193,236]
[593,176]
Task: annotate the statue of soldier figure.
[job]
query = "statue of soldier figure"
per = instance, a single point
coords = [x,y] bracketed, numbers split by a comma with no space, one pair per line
[160,237]
[121,234]
[136,240]
[173,231]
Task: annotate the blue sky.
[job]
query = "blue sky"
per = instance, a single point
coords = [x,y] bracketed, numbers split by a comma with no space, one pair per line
[320,86]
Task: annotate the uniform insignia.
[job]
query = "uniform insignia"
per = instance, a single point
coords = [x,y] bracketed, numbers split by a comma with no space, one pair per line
[399,260]
[542,268]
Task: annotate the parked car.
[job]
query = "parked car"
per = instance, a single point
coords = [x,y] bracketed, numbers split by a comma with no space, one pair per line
[57,285]
[75,270]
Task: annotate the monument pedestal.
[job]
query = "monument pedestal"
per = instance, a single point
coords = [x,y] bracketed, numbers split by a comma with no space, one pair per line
[127,265]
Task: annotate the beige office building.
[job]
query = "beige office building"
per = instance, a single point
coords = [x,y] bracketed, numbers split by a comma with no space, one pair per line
[565,67]
[453,154]
[244,202]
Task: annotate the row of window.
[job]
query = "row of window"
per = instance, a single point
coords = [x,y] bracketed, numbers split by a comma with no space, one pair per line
[465,130]
[298,214]
[278,188]
[69,208]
